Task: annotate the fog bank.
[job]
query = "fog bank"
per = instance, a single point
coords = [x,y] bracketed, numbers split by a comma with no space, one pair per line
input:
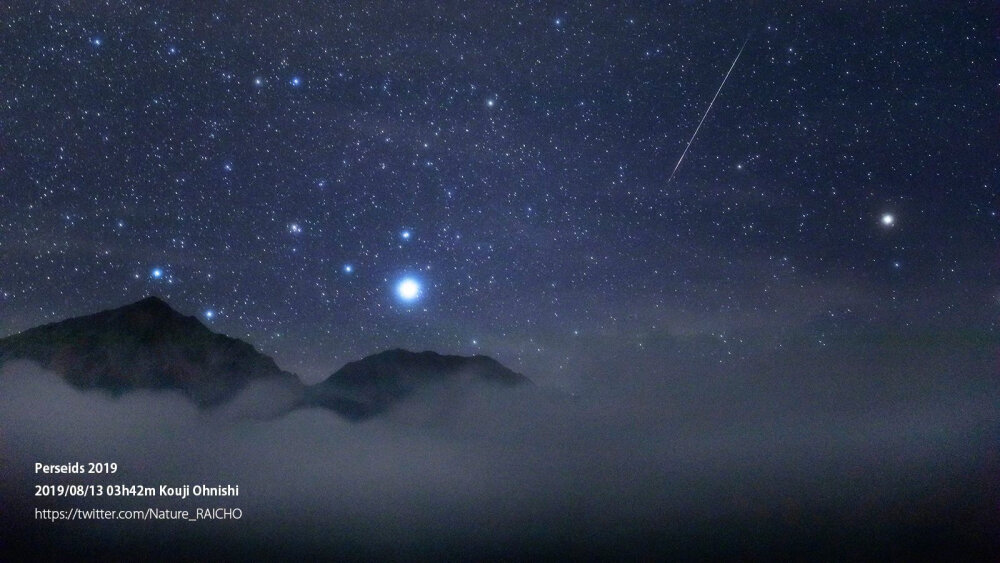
[781,454]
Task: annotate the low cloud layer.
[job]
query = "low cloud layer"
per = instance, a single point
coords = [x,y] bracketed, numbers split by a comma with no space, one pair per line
[784,452]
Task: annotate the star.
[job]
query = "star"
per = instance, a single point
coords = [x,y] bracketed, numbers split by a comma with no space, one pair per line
[209,314]
[408,289]
[562,189]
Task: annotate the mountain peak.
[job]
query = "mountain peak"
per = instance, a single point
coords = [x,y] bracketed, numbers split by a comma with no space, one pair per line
[146,344]
[149,345]
[371,385]
[152,302]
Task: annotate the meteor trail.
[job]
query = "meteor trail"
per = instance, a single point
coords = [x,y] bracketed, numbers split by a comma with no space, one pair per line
[683,154]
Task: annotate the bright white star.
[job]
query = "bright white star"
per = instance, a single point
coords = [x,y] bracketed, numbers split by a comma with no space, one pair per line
[888,219]
[408,289]
[348,268]
[405,235]
[157,273]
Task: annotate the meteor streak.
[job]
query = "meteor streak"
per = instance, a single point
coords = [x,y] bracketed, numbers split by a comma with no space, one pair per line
[683,154]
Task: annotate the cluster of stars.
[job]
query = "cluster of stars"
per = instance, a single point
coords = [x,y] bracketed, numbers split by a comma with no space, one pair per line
[420,177]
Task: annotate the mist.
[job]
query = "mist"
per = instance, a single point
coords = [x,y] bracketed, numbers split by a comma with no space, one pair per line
[857,450]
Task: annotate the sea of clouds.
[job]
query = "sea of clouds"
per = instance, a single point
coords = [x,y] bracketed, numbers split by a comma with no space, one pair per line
[790,453]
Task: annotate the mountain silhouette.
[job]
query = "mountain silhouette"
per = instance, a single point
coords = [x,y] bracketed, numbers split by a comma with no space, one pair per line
[145,345]
[370,386]
[149,345]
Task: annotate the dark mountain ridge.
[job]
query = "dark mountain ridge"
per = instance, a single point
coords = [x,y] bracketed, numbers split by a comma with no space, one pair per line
[145,345]
[149,345]
[371,385]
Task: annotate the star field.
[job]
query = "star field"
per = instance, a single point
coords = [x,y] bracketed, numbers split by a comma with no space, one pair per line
[328,181]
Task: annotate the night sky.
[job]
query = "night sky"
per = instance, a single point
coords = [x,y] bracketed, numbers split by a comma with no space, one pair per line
[326,181]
